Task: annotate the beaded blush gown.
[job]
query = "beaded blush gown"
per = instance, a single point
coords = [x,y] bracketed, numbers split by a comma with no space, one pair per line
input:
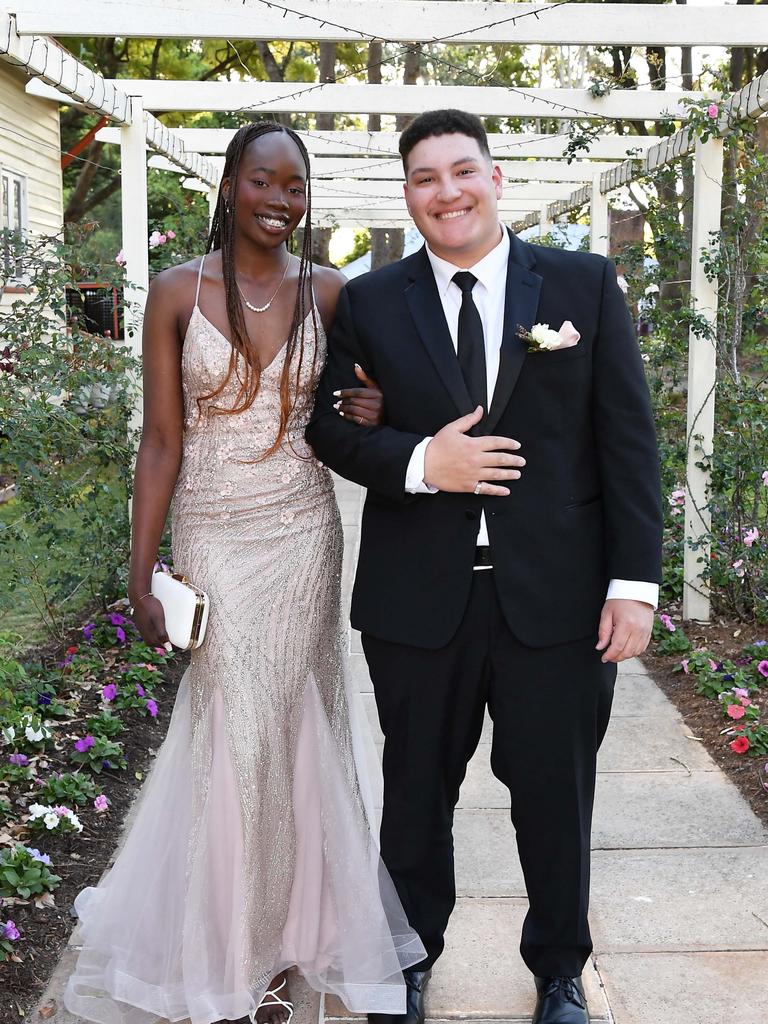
[251,850]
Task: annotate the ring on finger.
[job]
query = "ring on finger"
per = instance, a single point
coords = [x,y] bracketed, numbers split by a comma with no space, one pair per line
[478,487]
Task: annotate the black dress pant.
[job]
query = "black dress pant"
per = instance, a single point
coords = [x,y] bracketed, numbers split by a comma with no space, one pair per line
[550,709]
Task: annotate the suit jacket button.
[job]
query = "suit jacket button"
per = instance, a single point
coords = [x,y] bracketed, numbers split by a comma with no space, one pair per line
[470,513]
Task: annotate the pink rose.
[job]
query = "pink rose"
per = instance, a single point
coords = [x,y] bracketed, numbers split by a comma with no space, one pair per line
[712,111]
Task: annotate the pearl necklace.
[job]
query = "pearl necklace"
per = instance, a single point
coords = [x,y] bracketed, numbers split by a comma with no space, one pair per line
[263,309]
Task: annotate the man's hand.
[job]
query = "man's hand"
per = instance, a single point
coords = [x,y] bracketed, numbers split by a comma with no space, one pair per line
[625,629]
[455,462]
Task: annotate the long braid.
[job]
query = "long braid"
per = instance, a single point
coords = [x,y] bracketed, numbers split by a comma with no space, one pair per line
[222,236]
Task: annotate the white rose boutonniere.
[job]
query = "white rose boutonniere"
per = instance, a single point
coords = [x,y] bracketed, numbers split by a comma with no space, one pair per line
[541,338]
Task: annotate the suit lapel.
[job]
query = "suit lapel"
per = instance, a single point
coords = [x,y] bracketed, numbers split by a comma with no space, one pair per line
[520,305]
[425,307]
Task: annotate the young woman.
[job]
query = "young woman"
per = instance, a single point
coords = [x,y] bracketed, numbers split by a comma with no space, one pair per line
[251,849]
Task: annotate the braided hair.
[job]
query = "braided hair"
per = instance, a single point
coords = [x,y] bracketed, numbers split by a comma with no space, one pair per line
[244,361]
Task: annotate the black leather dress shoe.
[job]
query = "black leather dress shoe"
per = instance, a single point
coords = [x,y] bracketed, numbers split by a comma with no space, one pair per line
[561,1001]
[415,989]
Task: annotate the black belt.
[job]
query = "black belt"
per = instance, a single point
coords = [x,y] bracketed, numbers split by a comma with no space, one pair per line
[483,557]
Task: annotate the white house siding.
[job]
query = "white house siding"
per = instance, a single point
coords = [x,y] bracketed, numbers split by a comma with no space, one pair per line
[30,145]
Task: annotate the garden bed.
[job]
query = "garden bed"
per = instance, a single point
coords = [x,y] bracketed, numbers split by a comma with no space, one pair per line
[76,684]
[705,716]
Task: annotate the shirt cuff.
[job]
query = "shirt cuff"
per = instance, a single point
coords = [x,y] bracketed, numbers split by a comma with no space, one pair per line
[632,590]
[414,475]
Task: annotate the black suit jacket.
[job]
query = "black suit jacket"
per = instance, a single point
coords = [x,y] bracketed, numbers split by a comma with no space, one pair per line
[587,508]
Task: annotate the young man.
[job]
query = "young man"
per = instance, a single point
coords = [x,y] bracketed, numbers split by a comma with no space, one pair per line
[511,539]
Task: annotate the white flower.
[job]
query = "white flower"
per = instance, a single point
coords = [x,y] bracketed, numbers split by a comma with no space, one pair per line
[75,822]
[38,810]
[544,337]
[51,820]
[34,735]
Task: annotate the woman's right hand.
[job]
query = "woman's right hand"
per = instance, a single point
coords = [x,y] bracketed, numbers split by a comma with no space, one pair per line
[149,617]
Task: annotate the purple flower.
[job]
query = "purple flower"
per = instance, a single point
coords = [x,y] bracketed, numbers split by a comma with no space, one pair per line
[152,707]
[140,690]
[762,668]
[120,634]
[117,619]
[36,855]
[101,803]
[88,630]
[10,931]
[109,692]
[85,744]
[667,623]
[105,764]
[44,699]
[20,759]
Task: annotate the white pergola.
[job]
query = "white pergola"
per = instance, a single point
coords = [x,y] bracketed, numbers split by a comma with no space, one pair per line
[357,175]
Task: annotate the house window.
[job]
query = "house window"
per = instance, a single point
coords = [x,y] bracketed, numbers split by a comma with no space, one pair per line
[14,214]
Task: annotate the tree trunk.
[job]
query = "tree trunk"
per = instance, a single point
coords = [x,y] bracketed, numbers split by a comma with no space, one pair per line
[321,237]
[387,243]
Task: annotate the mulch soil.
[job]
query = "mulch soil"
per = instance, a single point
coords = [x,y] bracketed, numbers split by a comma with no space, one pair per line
[81,859]
[703,716]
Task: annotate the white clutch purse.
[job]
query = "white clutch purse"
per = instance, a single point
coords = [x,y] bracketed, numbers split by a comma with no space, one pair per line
[185,607]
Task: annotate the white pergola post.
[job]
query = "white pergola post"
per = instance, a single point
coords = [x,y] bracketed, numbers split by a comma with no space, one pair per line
[598,219]
[702,368]
[133,172]
[545,222]
[213,195]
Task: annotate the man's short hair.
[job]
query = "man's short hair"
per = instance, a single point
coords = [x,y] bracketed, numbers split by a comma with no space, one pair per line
[442,122]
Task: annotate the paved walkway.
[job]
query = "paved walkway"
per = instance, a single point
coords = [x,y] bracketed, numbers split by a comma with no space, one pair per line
[679,907]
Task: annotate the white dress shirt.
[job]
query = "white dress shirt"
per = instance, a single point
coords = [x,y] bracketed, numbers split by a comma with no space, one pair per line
[488,295]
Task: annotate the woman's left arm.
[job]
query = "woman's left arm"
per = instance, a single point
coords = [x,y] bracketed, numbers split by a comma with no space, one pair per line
[363,405]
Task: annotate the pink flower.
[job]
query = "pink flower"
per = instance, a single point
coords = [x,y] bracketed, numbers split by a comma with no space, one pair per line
[762,668]
[149,667]
[712,111]
[61,811]
[667,623]
[156,238]
[745,702]
[713,665]
[160,650]
[10,931]
[684,664]
[101,803]
[170,234]
[677,497]
[84,744]
[740,691]
[152,707]
[735,711]
[740,745]
[751,536]
[109,692]
[120,258]
[764,477]
[738,565]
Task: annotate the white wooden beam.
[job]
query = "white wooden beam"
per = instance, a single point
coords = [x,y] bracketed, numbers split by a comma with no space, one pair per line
[702,370]
[399,20]
[513,170]
[389,204]
[394,189]
[362,98]
[382,144]
[53,66]
[135,230]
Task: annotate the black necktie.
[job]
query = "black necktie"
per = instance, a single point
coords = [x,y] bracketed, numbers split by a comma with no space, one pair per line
[471,345]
